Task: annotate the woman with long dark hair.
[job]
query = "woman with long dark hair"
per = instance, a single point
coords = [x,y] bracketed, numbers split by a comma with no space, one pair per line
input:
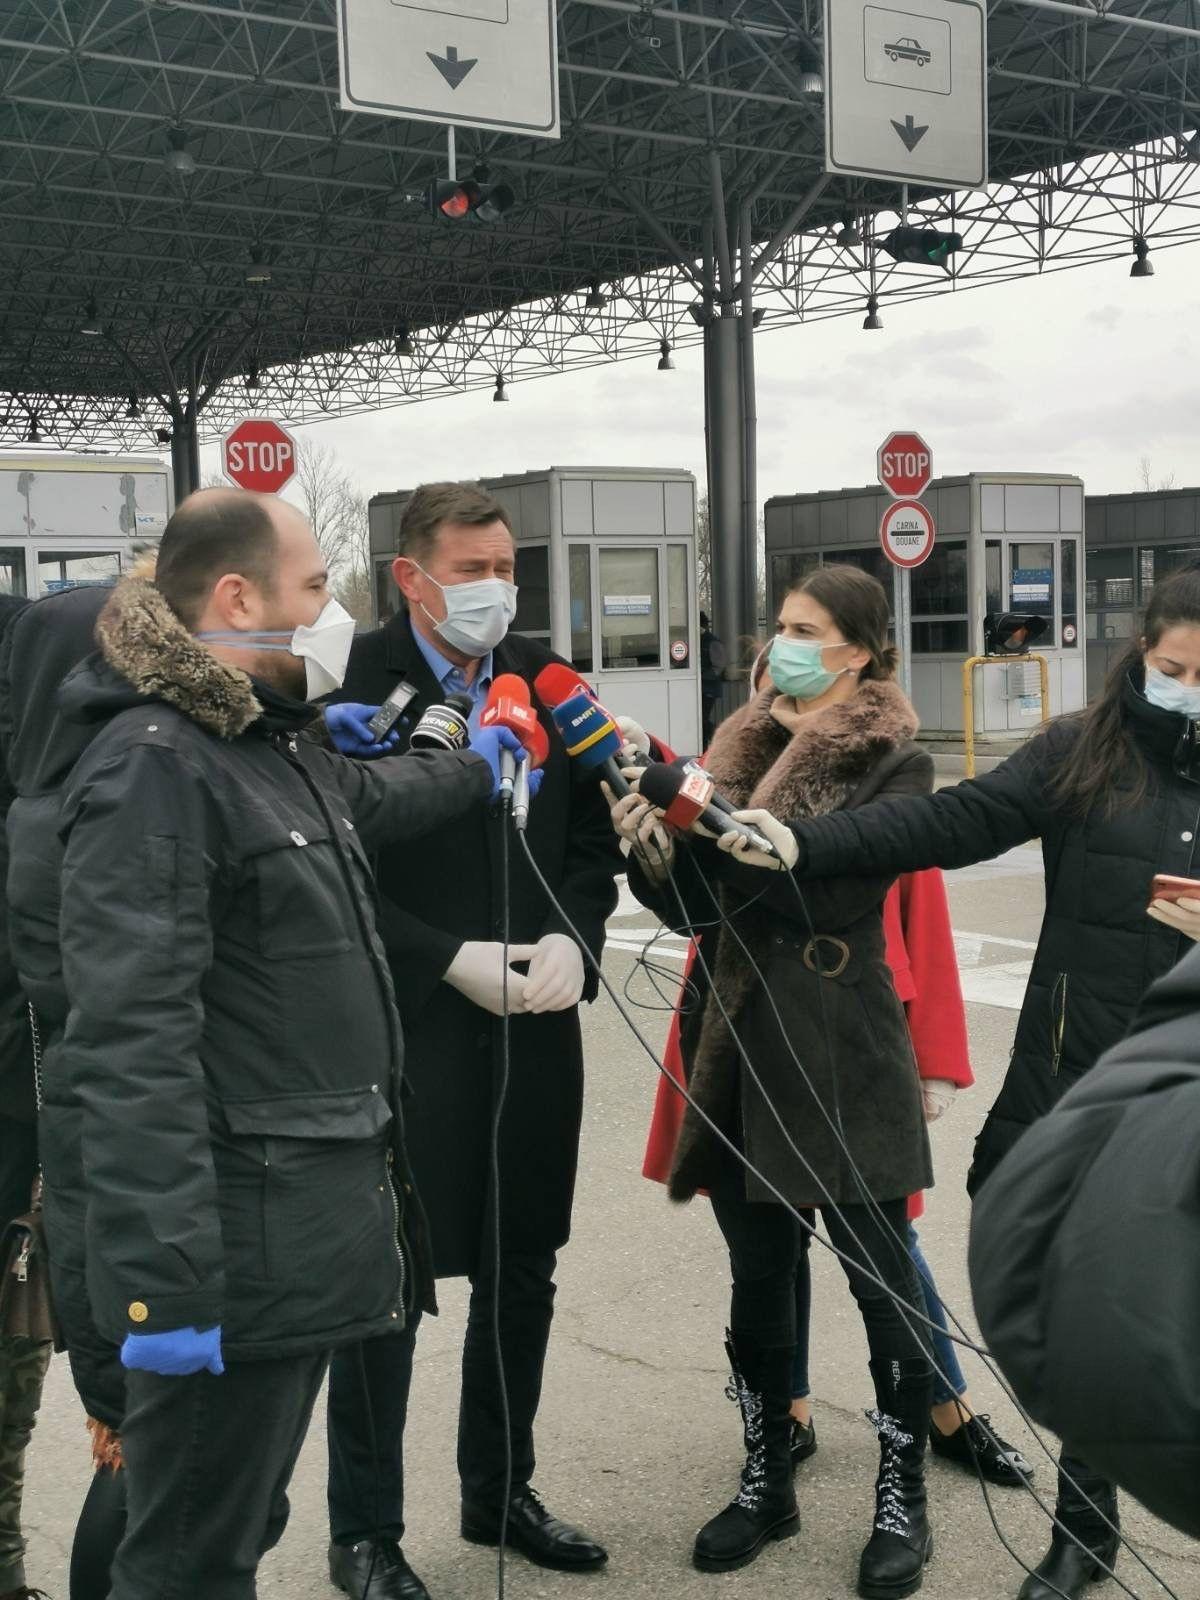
[1113,793]
[810,1075]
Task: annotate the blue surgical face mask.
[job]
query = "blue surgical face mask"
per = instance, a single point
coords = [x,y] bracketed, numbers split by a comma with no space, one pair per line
[1168,694]
[797,668]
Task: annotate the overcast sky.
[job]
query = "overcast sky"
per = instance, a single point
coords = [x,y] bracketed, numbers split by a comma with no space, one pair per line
[1084,371]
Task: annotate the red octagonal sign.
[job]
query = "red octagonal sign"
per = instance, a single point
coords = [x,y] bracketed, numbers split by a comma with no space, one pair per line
[905,465]
[258,454]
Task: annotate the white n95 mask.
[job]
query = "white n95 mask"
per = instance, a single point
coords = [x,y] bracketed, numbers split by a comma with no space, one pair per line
[324,646]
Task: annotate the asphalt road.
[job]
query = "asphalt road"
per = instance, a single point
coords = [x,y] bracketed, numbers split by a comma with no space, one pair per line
[637,1442]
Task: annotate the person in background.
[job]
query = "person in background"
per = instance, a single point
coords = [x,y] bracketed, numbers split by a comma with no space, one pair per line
[1113,793]
[713,659]
[441,920]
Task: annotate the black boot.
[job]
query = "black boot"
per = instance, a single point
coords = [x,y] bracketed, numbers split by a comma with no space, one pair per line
[765,1507]
[1065,1569]
[893,1563]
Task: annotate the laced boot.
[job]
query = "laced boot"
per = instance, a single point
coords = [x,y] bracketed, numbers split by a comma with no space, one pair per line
[1065,1569]
[893,1563]
[765,1505]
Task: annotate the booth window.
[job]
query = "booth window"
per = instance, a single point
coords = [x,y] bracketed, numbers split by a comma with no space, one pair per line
[579,588]
[677,605]
[533,590]
[786,570]
[12,572]
[869,558]
[1109,592]
[939,601]
[993,577]
[387,596]
[1070,594]
[629,609]
[1157,562]
[1031,583]
[77,569]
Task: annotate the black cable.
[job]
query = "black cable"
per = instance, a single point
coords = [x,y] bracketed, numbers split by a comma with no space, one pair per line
[873,1276]
[501,1095]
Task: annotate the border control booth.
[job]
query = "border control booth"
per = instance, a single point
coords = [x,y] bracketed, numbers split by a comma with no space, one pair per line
[606,573]
[1005,542]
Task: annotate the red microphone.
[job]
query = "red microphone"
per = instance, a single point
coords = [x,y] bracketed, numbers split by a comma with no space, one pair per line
[509,706]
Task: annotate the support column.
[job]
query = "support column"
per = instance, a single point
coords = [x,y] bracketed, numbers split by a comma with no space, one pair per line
[185,454]
[732,607]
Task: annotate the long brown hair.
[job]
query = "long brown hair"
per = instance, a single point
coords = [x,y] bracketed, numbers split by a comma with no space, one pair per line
[1106,770]
[859,606]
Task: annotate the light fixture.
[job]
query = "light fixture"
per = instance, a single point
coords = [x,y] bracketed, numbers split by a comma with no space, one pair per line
[90,326]
[163,435]
[874,320]
[757,316]
[34,435]
[849,237]
[259,270]
[812,66]
[179,159]
[402,343]
[665,363]
[501,394]
[812,83]
[134,408]
[252,377]
[1143,267]
[596,298]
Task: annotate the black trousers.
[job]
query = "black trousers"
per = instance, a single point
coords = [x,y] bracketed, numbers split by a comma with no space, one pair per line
[207,1465]
[765,1243]
[368,1404]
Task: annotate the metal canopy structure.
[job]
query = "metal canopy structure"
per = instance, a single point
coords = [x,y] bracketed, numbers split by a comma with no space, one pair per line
[193,228]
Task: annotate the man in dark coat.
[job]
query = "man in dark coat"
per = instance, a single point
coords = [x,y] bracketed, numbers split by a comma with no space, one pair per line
[232,1035]
[442,925]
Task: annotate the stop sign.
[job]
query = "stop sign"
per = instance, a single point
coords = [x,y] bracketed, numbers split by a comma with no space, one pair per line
[905,465]
[258,454]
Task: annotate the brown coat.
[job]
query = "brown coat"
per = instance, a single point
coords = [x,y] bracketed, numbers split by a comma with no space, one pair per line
[833,998]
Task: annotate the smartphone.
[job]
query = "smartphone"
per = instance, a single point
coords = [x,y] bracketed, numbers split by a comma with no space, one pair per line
[1165,887]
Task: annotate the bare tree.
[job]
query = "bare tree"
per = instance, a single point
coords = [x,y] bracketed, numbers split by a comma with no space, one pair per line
[1147,476]
[338,514]
[704,555]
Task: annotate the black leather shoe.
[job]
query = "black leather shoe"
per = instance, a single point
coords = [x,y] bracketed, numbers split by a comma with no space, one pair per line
[391,1577]
[1065,1569]
[999,1461]
[538,1536]
[803,1441]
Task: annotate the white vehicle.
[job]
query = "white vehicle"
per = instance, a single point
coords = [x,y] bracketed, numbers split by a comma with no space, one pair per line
[67,519]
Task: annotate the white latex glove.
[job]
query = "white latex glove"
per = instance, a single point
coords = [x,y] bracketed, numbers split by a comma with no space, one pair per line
[477,971]
[640,826]
[938,1095]
[636,739]
[771,828]
[1183,915]
[555,980]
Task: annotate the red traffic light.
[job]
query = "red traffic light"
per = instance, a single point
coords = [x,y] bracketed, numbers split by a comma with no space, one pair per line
[459,198]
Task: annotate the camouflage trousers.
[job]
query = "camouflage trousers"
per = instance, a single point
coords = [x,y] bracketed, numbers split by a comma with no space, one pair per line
[23,1364]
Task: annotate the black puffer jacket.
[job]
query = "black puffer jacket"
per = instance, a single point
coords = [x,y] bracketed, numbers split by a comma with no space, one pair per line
[1085,1259]
[1098,951]
[232,1034]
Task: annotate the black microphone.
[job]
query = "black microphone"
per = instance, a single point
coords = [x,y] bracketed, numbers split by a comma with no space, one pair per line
[443,726]
[685,798]
[392,709]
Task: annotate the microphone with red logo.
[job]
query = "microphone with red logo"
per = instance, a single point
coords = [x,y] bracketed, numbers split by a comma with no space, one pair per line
[687,797]
[592,738]
[509,706]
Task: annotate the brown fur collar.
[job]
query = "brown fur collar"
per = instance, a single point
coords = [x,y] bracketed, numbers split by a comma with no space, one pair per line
[755,762]
[142,639]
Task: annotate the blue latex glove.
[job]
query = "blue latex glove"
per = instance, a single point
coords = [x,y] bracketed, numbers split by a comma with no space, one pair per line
[351,736]
[175,1354]
[488,743]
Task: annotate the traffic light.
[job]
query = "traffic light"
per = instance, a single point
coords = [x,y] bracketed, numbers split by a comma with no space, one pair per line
[457,198]
[921,246]
[1010,633]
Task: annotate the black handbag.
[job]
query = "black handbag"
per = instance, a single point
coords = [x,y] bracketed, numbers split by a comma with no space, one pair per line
[26,1304]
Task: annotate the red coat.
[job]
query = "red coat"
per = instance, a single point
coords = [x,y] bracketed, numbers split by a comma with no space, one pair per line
[920,952]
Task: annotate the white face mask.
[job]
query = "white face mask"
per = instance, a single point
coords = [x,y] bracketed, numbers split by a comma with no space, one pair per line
[324,646]
[478,615]
[1168,694]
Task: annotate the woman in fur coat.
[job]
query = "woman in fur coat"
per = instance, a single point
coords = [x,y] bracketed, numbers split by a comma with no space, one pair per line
[810,1076]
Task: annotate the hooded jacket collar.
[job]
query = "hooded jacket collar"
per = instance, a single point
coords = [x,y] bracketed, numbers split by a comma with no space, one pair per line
[1168,738]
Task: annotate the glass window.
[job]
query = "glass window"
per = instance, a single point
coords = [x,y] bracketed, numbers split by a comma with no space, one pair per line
[678,636]
[869,558]
[993,577]
[939,601]
[12,571]
[1070,597]
[786,570]
[629,609]
[387,596]
[1160,561]
[533,589]
[579,585]
[77,569]
[1109,592]
[1031,585]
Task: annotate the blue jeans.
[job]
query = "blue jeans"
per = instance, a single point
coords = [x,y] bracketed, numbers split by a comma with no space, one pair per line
[948,1380]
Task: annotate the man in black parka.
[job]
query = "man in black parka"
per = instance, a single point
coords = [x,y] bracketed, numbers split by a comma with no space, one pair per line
[232,1035]
[441,924]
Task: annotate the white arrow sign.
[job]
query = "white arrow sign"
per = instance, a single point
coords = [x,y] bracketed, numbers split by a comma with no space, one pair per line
[476,63]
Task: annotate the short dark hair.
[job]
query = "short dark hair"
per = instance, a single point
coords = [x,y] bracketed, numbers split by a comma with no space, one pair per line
[434,504]
[209,535]
[858,604]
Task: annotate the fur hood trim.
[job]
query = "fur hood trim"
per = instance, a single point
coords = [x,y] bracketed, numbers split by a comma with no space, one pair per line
[141,638]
